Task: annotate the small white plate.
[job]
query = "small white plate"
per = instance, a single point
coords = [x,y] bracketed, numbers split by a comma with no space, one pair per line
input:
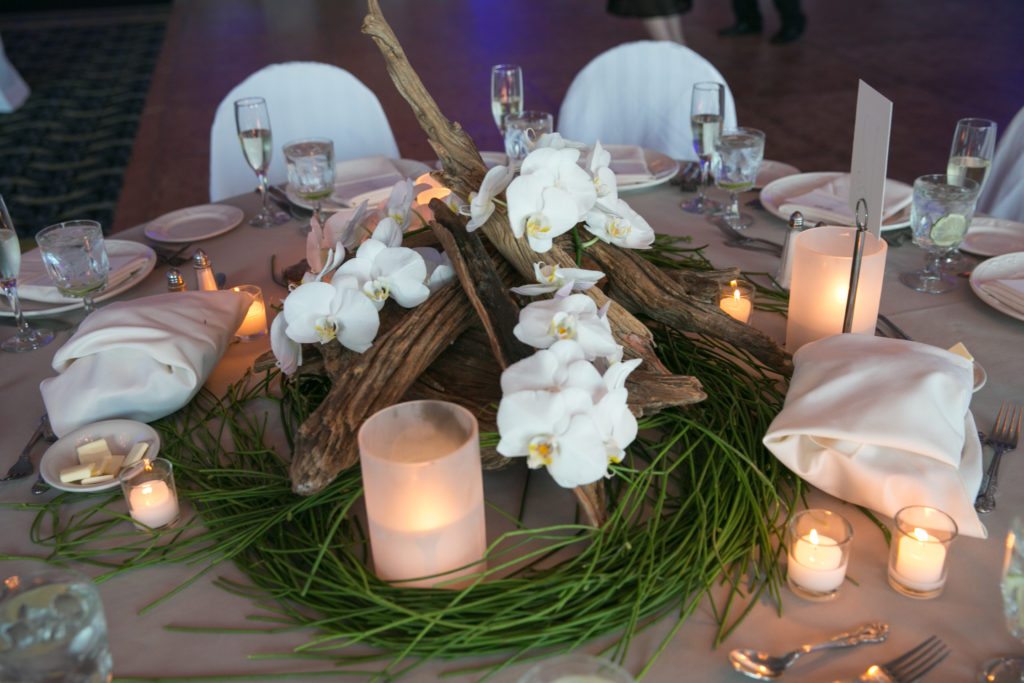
[1005,266]
[778,192]
[980,376]
[771,171]
[990,236]
[121,435]
[409,168]
[194,223]
[37,309]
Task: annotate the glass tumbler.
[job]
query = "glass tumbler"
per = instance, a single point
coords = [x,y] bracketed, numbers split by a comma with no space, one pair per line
[919,551]
[522,131]
[818,551]
[148,487]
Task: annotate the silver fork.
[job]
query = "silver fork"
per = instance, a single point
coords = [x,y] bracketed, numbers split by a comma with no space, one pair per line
[1003,439]
[910,666]
[22,467]
[738,239]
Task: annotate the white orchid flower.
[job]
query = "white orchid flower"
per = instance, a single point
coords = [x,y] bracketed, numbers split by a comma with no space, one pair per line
[552,277]
[321,312]
[287,352]
[388,232]
[542,426]
[562,168]
[399,205]
[542,323]
[481,204]
[383,273]
[616,423]
[341,227]
[560,367]
[540,210]
[624,227]
[439,267]
[605,183]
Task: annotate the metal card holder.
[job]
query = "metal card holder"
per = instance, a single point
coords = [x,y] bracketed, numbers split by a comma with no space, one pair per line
[861,219]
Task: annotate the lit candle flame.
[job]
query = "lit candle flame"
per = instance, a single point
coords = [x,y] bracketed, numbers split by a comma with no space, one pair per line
[813,537]
[922,535]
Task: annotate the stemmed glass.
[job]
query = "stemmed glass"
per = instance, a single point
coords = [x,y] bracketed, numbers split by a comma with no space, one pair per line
[311,170]
[707,107]
[506,93]
[27,338]
[939,216]
[76,259]
[970,156]
[738,156]
[1010,669]
[252,121]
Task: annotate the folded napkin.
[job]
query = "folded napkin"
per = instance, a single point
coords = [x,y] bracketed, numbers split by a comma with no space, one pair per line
[629,164]
[883,423]
[35,284]
[1009,292]
[830,202]
[141,359]
[369,179]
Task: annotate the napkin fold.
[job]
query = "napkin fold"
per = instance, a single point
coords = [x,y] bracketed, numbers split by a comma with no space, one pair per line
[883,423]
[369,179]
[629,164]
[35,284]
[1008,291]
[141,359]
[830,202]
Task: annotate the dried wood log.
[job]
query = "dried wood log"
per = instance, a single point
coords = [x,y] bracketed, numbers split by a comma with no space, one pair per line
[705,285]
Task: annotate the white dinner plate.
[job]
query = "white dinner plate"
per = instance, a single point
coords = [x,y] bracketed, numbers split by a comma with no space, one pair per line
[778,192]
[194,223]
[121,435]
[409,168]
[1005,266]
[990,236]
[35,309]
[771,171]
[980,376]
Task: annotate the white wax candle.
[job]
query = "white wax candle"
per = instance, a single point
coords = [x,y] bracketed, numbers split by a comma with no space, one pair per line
[153,503]
[736,306]
[817,563]
[920,559]
[255,322]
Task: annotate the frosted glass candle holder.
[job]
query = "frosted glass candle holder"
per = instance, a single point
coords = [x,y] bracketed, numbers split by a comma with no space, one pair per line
[822,258]
[148,487]
[424,493]
[818,551]
[919,551]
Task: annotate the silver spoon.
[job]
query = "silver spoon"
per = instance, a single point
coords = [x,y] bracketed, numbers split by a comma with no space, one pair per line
[765,667]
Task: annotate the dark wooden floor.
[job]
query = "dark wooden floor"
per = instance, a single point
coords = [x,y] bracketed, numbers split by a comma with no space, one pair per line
[938,60]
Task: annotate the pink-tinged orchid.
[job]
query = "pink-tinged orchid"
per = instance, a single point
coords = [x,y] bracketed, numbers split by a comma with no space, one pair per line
[552,278]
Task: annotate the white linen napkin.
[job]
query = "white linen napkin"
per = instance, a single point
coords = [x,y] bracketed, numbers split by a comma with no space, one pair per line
[369,179]
[629,164]
[1008,291]
[883,423]
[35,284]
[141,359]
[830,202]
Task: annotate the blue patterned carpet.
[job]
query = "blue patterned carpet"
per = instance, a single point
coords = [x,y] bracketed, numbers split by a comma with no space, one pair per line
[63,153]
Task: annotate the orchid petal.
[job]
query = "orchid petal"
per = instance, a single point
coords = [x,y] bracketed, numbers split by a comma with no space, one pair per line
[357,320]
[388,232]
[287,352]
[580,458]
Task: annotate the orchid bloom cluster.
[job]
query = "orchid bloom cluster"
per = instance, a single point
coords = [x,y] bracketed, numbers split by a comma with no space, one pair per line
[347,308]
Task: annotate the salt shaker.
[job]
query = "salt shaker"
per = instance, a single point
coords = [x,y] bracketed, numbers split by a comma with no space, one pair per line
[205,280]
[175,281]
[785,272]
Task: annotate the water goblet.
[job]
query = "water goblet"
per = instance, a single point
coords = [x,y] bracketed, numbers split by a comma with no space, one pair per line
[707,107]
[576,667]
[506,92]
[311,170]
[252,120]
[738,156]
[970,156]
[27,337]
[522,131]
[939,216]
[76,259]
[1010,669]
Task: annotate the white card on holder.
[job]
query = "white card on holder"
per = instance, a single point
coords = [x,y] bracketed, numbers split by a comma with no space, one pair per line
[870,158]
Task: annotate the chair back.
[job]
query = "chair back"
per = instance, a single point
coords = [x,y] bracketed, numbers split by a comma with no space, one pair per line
[1003,195]
[639,94]
[304,99]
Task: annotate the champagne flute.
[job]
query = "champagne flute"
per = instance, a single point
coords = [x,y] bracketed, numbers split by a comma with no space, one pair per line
[970,156]
[707,111]
[506,93]
[252,121]
[311,170]
[27,338]
[738,156]
[939,216]
[76,259]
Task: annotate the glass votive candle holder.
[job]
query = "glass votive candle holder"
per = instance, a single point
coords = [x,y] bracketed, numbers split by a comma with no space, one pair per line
[254,325]
[737,299]
[148,487]
[919,550]
[818,550]
[576,668]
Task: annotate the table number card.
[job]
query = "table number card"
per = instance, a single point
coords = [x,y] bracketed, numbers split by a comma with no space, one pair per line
[870,157]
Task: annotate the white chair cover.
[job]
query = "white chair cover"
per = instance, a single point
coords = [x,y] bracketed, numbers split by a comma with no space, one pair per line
[1003,195]
[305,99]
[639,94]
[13,89]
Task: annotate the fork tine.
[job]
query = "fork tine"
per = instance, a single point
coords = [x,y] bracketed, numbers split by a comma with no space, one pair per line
[909,653]
[1014,436]
[926,657]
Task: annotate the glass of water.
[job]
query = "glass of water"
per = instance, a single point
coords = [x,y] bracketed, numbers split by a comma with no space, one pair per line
[1010,669]
[311,170]
[76,259]
[577,668]
[52,626]
[27,337]
[939,216]
[506,92]
[522,131]
[738,156]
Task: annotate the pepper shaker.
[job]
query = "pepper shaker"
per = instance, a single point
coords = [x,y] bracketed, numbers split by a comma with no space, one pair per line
[205,280]
[175,281]
[785,272]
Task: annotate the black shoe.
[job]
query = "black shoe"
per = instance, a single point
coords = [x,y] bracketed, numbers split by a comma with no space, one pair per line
[740,28]
[789,33]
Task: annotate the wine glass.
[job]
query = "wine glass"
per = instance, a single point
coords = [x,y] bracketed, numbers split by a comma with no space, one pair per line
[76,259]
[707,107]
[738,156]
[27,338]
[939,216]
[311,170]
[506,93]
[522,131]
[1010,669]
[252,121]
[970,156]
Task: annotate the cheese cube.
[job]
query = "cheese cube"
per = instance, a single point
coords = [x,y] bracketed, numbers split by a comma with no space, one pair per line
[93,452]
[76,473]
[961,350]
[112,464]
[96,480]
[135,454]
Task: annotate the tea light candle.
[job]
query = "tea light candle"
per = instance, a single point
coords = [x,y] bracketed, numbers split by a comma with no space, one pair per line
[818,550]
[255,323]
[917,561]
[435,190]
[736,300]
[153,504]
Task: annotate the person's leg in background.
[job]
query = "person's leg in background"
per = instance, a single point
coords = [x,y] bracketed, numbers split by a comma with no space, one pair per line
[793,21]
[748,19]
